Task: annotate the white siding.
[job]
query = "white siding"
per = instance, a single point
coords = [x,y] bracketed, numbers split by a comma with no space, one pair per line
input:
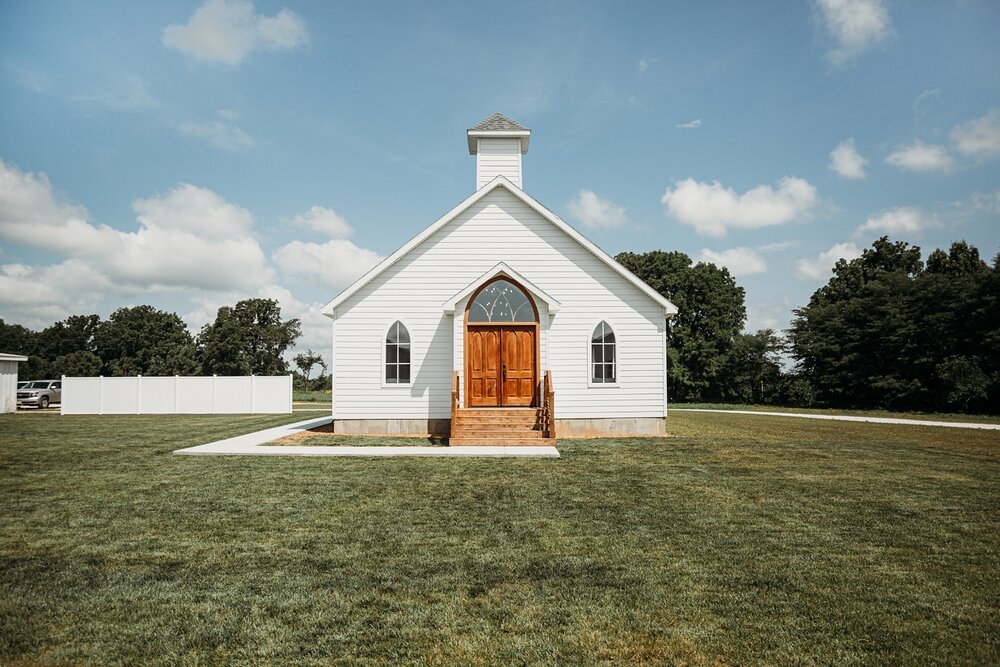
[498,157]
[8,386]
[497,228]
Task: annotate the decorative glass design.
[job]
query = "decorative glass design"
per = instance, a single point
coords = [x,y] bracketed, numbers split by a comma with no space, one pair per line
[501,301]
[602,355]
[397,355]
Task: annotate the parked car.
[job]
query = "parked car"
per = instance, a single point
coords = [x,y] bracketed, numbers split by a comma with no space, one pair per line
[39,393]
[21,384]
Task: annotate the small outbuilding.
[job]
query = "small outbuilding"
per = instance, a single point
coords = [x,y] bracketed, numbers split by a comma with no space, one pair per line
[500,324]
[8,381]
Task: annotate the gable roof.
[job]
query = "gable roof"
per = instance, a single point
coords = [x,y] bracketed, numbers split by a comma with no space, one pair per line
[497,123]
[501,269]
[669,309]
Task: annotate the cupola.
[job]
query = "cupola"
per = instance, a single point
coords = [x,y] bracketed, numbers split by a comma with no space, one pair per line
[498,144]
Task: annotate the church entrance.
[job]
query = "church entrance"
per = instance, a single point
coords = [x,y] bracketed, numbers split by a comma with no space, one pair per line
[501,347]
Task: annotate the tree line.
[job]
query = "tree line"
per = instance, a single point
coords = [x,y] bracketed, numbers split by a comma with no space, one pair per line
[248,338]
[887,331]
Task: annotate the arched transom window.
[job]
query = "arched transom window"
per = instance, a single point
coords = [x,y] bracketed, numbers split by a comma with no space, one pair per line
[603,368]
[501,301]
[397,355]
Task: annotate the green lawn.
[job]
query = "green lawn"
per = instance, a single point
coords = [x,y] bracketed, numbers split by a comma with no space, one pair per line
[312,396]
[934,416]
[740,540]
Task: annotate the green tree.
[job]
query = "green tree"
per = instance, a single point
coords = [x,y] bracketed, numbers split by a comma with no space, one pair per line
[879,331]
[145,341]
[752,372]
[964,380]
[799,392]
[16,339]
[74,334]
[711,315]
[81,363]
[248,338]
[305,361]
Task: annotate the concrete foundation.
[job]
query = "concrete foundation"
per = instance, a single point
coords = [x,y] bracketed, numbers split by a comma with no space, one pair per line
[612,427]
[439,427]
[565,428]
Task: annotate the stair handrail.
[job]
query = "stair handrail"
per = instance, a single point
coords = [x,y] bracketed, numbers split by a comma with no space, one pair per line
[549,405]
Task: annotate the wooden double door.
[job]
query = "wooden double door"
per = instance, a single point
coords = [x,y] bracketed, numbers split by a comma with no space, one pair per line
[501,365]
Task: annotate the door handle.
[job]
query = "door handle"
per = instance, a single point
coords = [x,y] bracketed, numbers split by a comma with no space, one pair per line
[504,372]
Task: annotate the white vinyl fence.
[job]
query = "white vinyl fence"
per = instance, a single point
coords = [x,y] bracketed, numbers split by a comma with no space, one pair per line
[176,395]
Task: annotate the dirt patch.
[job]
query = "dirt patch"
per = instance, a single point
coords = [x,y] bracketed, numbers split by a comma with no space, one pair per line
[326,435]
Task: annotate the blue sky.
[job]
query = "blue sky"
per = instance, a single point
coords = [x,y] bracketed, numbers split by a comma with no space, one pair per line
[188,154]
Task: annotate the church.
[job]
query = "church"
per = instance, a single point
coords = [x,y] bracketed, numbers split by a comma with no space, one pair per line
[499,324]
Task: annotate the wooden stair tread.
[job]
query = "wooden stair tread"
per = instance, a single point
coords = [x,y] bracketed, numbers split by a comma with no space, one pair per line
[499,426]
[498,435]
[501,442]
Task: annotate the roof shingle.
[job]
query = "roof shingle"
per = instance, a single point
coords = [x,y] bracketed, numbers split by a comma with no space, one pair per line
[498,123]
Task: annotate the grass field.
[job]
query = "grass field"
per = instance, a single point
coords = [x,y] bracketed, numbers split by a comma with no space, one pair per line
[934,416]
[312,396]
[739,540]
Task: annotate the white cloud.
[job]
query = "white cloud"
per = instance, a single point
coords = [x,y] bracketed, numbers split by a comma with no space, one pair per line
[26,78]
[712,209]
[919,156]
[336,263]
[646,62]
[989,201]
[191,246]
[224,133]
[777,246]
[846,161]
[855,25]
[772,314]
[129,94]
[195,210]
[596,213]
[905,220]
[324,220]
[690,125]
[919,102]
[37,296]
[980,137]
[226,31]
[739,261]
[190,237]
[819,267]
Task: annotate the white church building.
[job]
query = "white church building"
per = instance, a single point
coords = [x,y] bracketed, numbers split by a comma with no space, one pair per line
[499,322]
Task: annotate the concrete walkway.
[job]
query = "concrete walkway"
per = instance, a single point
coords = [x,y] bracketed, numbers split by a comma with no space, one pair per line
[849,418]
[253,444]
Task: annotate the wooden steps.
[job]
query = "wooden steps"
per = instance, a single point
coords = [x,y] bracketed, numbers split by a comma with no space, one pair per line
[499,427]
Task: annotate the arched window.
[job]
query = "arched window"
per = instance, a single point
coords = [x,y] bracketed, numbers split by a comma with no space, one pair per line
[603,368]
[501,301]
[397,355]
